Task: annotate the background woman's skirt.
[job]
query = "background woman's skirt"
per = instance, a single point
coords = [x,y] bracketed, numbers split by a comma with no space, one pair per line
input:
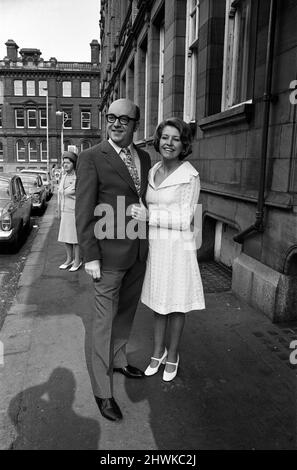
[67,232]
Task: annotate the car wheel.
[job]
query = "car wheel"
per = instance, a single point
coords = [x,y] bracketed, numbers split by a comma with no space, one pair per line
[43,207]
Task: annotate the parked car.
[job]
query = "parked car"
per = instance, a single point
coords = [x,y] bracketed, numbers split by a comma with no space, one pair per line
[46,179]
[15,210]
[34,186]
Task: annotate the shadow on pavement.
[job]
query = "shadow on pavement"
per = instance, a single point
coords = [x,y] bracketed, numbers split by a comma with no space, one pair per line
[49,420]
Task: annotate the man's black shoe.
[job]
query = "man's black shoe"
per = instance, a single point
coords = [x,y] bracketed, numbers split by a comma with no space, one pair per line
[130,372]
[109,408]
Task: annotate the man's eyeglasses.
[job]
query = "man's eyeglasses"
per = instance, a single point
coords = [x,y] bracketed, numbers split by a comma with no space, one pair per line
[124,120]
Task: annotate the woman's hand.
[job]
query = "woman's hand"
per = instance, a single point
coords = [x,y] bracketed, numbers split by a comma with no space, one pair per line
[139,212]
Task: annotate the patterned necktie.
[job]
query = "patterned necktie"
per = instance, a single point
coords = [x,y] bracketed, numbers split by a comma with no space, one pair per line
[130,164]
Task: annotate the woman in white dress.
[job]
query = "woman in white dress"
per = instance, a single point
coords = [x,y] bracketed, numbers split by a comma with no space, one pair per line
[66,210]
[172,284]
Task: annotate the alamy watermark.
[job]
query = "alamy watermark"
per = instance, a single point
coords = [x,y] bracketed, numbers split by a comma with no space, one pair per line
[173,222]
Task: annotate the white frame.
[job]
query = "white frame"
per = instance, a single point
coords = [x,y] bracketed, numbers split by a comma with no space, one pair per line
[29,151]
[69,118]
[191,64]
[30,88]
[16,119]
[21,88]
[28,118]
[42,151]
[17,151]
[84,120]
[232,54]
[41,85]
[41,118]
[85,93]
[161,72]
[66,86]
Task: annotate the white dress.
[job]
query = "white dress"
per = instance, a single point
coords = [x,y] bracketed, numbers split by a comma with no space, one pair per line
[172,280]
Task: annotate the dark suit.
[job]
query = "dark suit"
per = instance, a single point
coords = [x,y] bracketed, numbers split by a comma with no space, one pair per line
[104,184]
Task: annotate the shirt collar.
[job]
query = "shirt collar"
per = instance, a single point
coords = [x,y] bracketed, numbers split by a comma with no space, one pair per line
[117,148]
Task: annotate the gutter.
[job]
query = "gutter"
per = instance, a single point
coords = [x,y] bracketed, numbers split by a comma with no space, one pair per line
[258,225]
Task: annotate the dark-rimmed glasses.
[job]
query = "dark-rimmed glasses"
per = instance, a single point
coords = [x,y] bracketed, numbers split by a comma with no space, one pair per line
[124,120]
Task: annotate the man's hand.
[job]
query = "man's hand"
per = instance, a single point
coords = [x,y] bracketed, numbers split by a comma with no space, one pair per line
[93,268]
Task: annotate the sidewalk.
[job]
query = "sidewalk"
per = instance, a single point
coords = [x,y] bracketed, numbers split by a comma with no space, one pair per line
[235,388]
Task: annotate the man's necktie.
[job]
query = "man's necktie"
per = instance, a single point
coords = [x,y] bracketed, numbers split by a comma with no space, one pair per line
[130,164]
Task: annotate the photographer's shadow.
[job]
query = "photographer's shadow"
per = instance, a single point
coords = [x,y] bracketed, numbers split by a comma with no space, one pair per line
[44,418]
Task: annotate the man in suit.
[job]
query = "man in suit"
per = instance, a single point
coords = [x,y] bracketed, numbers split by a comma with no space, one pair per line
[112,176]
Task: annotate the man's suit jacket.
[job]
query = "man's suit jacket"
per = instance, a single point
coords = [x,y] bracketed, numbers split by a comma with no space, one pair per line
[102,177]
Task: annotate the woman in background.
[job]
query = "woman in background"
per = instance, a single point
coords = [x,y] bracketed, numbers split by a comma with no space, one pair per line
[66,210]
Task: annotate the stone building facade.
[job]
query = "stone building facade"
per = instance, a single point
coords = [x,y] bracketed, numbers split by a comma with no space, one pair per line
[228,68]
[72,102]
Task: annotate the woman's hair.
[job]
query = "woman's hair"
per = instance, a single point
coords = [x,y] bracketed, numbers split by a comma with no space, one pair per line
[185,132]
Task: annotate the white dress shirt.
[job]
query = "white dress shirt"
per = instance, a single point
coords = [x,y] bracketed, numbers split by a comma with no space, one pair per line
[134,154]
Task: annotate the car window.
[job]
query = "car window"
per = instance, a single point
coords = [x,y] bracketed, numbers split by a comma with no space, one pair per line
[4,190]
[16,190]
[21,189]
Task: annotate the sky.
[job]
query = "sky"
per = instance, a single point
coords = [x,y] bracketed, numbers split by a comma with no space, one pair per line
[58,28]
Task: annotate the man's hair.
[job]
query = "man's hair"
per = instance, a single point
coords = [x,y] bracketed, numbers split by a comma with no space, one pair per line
[185,132]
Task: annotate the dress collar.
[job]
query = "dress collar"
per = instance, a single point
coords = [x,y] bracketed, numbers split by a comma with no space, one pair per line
[182,174]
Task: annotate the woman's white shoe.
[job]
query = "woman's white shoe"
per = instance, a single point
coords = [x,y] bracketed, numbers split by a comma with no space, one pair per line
[66,265]
[168,376]
[153,370]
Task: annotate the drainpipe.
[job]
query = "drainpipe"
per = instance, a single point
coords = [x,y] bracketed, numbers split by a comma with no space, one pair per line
[258,225]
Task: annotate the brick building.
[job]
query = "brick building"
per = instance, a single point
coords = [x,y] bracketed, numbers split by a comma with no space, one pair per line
[226,67]
[73,99]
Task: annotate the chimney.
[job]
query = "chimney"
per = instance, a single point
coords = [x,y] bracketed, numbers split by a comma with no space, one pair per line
[12,50]
[95,49]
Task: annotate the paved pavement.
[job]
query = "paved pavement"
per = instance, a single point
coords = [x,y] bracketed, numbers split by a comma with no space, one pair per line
[235,388]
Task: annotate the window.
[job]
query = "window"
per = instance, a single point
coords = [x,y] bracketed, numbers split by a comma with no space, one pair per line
[18,87]
[85,120]
[42,118]
[32,121]
[161,73]
[30,84]
[41,85]
[236,52]
[85,89]
[43,151]
[85,145]
[191,66]
[0,117]
[67,144]
[20,150]
[19,118]
[67,121]
[32,150]
[1,151]
[66,88]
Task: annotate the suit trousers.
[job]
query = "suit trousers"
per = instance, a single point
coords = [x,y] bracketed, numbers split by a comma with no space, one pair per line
[117,295]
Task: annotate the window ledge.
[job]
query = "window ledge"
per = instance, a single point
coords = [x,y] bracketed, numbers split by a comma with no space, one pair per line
[237,114]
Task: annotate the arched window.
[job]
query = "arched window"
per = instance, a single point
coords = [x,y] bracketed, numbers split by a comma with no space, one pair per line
[20,150]
[85,145]
[1,151]
[43,151]
[32,150]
